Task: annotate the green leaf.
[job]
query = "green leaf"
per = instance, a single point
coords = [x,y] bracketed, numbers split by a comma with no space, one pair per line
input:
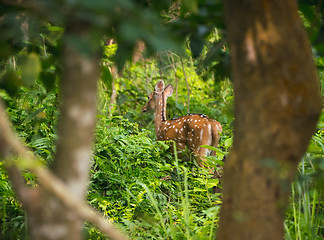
[219,162]
[110,50]
[48,80]
[312,148]
[179,106]
[33,115]
[212,183]
[55,29]
[30,69]
[189,6]
[228,142]
[206,101]
[106,77]
[212,210]
[196,189]
[10,82]
[213,149]
[320,125]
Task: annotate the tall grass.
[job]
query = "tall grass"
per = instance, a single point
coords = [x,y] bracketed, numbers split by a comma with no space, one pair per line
[305,216]
[180,217]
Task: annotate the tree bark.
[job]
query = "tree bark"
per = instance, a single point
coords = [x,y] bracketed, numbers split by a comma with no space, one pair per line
[48,218]
[277,104]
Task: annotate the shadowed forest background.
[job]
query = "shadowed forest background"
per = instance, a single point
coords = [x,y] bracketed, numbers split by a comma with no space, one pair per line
[74,77]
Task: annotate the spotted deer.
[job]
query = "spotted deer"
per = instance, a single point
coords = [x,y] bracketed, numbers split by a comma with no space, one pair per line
[189,131]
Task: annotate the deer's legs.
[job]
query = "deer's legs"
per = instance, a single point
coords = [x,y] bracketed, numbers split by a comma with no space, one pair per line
[200,155]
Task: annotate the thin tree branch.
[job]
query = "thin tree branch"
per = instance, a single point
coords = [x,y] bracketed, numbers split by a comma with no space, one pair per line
[188,89]
[175,75]
[18,183]
[147,79]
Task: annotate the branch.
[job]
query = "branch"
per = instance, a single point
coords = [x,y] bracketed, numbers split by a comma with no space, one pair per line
[48,180]
[175,75]
[186,79]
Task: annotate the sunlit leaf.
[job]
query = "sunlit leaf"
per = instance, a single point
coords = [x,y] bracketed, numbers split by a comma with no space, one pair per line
[30,69]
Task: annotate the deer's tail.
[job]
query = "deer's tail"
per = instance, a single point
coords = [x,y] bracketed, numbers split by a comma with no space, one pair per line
[216,129]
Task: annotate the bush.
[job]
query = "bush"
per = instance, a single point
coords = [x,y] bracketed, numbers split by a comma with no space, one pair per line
[136,182]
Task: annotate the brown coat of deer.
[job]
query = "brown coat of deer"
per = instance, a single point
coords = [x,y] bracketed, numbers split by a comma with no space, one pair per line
[191,131]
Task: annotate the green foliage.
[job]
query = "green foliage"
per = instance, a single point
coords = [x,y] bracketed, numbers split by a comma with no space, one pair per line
[312,15]
[124,156]
[34,115]
[305,216]
[136,183]
[12,217]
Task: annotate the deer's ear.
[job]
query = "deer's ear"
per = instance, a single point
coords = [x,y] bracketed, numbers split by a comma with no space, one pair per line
[159,86]
[168,90]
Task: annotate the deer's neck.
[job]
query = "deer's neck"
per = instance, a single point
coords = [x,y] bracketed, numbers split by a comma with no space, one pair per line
[160,115]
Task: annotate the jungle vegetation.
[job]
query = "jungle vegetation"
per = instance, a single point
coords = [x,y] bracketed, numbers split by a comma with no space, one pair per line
[74,76]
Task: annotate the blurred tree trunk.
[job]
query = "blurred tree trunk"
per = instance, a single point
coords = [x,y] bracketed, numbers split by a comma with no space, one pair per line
[114,74]
[48,218]
[137,56]
[277,104]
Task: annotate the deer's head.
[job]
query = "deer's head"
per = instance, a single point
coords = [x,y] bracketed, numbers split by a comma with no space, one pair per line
[159,91]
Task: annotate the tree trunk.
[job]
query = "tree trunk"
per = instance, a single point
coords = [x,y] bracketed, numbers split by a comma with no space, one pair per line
[277,104]
[48,218]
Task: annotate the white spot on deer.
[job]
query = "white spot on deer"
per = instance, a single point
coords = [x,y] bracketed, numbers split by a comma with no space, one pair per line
[219,127]
[176,130]
[210,135]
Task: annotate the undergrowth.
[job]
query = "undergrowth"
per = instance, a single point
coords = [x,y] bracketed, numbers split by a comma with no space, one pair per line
[136,183]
